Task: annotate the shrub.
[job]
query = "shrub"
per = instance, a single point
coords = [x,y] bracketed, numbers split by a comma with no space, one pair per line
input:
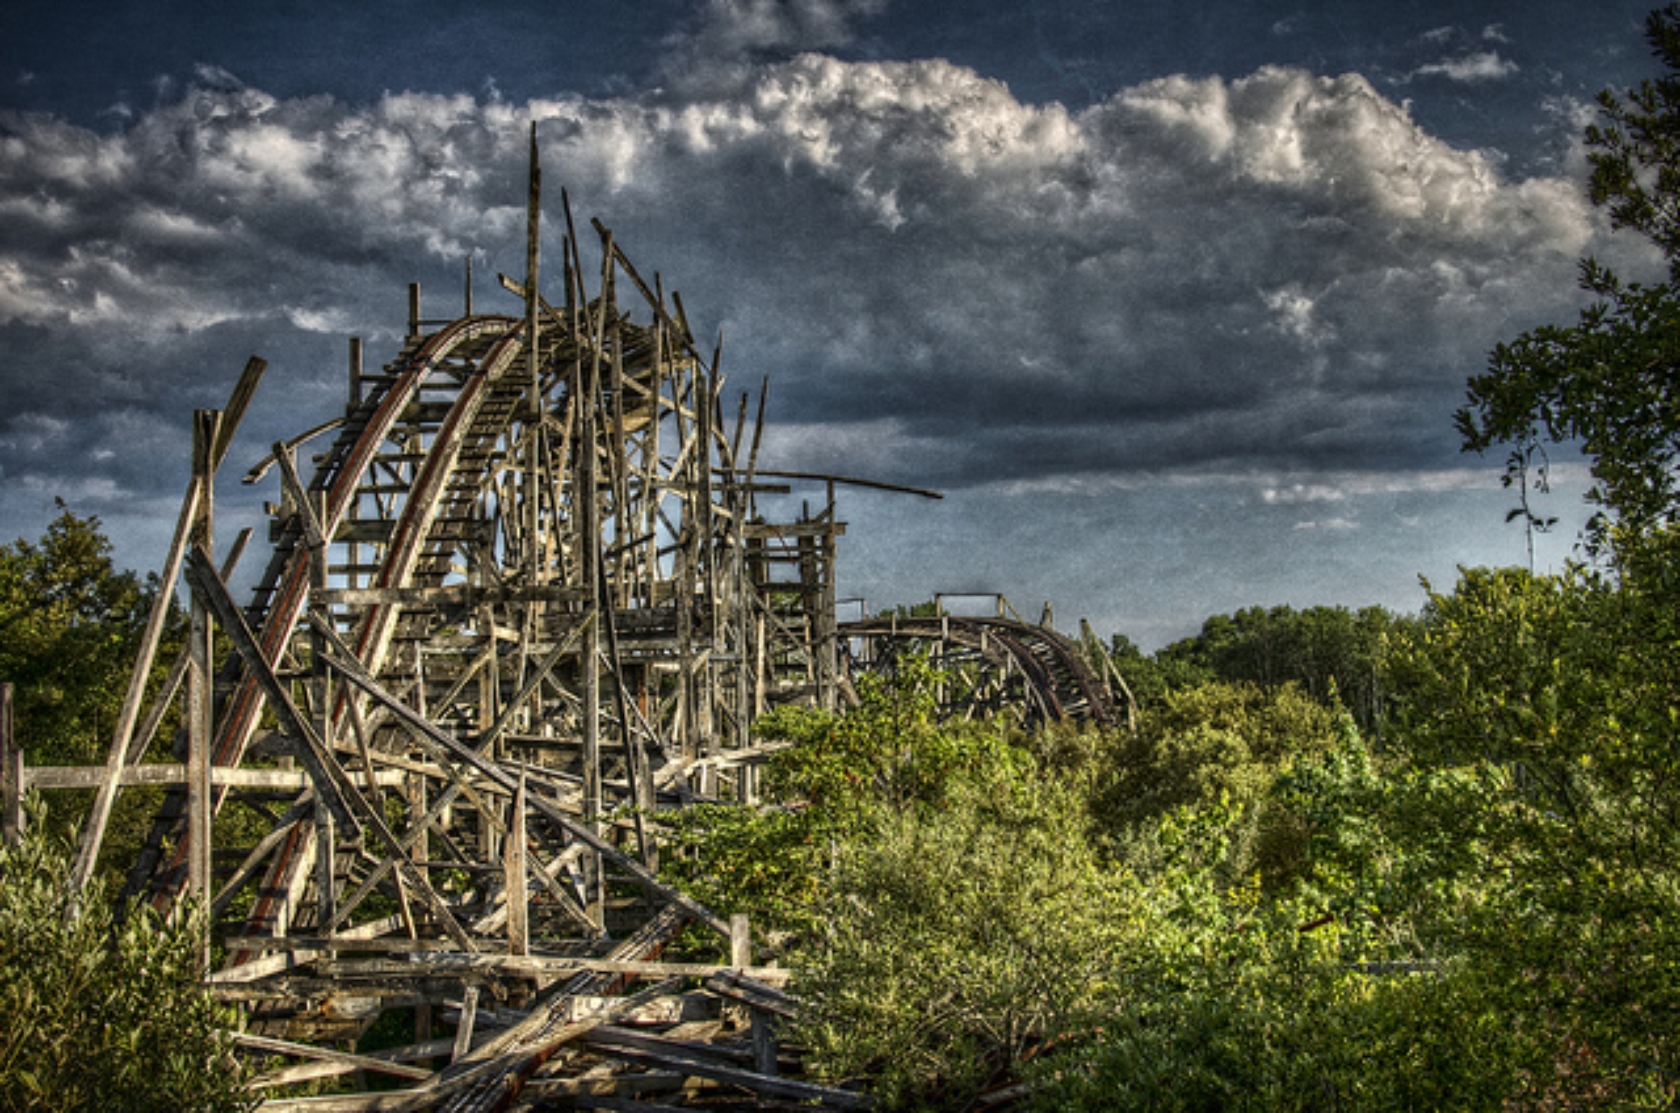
[101,1016]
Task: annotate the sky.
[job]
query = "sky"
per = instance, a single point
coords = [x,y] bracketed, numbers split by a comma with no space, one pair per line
[1174,302]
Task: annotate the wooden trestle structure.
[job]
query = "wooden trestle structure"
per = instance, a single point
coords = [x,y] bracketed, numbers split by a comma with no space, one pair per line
[521,599]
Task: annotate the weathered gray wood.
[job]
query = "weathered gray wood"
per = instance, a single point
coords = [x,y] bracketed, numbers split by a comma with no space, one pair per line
[617,1104]
[759,993]
[515,1050]
[765,1046]
[330,779]
[740,941]
[516,878]
[440,962]
[648,1082]
[221,776]
[343,1103]
[464,1026]
[11,772]
[425,729]
[200,678]
[688,1063]
[308,1051]
[198,492]
[309,1072]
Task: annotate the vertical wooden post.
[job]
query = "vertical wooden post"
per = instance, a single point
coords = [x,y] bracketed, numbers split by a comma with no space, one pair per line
[464,1027]
[740,941]
[764,1042]
[414,309]
[516,877]
[11,772]
[320,685]
[200,675]
[355,371]
[326,854]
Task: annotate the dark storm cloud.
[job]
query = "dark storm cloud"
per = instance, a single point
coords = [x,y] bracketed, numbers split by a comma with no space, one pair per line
[1276,276]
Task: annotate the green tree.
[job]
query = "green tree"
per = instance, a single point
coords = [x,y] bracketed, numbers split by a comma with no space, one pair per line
[964,941]
[1609,381]
[1333,654]
[1213,746]
[101,1016]
[69,629]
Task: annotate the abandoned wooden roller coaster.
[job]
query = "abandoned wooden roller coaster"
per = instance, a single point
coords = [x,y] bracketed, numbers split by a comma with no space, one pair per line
[524,602]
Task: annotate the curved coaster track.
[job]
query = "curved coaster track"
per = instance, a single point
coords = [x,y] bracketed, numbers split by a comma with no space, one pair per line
[519,598]
[990,665]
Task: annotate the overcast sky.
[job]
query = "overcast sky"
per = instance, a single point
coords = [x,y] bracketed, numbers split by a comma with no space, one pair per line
[1174,301]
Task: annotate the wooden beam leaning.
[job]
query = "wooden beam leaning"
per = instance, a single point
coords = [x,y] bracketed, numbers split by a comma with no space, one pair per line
[332,784]
[353,671]
[93,832]
[306,1051]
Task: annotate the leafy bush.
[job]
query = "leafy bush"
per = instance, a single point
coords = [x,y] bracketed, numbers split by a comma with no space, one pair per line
[100,1016]
[962,942]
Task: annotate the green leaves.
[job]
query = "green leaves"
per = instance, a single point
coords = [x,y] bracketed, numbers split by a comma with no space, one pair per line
[101,1016]
[69,627]
[1608,383]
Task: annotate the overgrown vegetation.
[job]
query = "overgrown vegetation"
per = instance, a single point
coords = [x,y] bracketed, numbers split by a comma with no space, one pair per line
[1342,860]
[99,1015]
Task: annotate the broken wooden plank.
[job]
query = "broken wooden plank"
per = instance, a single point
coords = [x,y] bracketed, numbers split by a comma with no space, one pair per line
[773,1086]
[309,1051]
[758,992]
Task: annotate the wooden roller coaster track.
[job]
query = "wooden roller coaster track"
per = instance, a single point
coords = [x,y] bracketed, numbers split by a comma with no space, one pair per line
[518,599]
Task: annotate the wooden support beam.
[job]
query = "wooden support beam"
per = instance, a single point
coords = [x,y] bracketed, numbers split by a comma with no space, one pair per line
[464,1027]
[11,772]
[516,878]
[50,777]
[424,729]
[200,673]
[308,1051]
[93,831]
[687,1062]
[441,964]
[332,783]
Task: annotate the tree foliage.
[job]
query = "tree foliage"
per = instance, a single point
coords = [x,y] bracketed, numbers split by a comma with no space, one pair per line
[1335,655]
[1608,381]
[101,1016]
[69,628]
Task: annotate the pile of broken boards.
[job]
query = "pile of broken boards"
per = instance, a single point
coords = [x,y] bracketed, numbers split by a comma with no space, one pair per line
[624,1033]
